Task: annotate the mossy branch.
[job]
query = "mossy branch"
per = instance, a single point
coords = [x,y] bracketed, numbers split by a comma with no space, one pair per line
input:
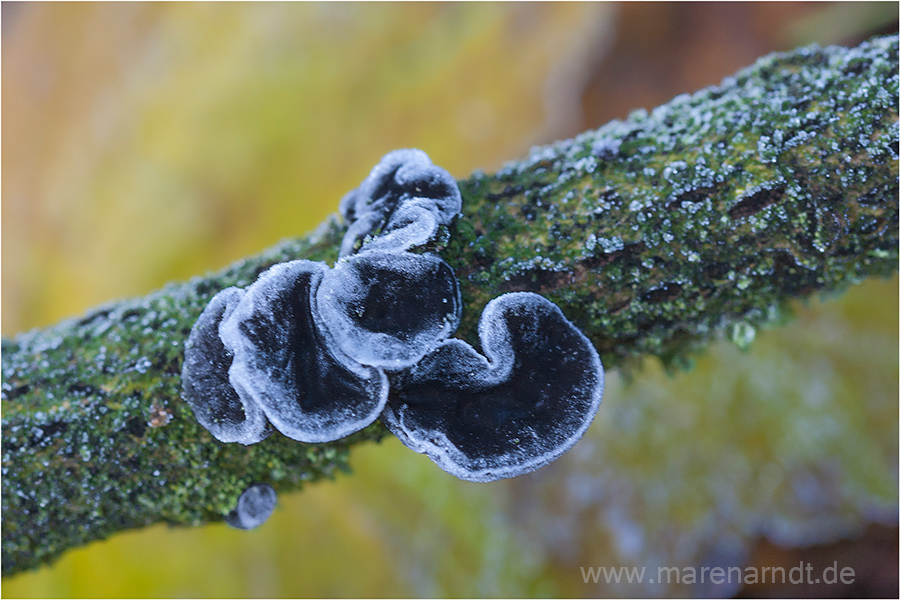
[654,235]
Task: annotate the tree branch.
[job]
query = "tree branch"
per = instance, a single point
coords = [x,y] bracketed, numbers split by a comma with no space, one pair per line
[654,235]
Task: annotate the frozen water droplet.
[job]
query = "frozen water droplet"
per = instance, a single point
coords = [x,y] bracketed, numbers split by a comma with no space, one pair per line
[143,365]
[742,335]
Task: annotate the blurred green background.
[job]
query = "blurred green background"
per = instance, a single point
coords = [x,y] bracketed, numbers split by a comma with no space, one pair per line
[144,143]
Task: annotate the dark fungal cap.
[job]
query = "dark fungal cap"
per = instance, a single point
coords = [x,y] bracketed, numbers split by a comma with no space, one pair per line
[216,405]
[402,176]
[518,407]
[307,388]
[388,309]
[254,507]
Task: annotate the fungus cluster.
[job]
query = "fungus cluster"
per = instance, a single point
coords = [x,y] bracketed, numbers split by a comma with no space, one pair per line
[318,353]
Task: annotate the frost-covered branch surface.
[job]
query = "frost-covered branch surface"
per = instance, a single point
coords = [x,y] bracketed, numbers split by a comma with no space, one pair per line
[654,235]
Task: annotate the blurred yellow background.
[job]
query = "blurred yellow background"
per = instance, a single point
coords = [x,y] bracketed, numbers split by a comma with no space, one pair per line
[144,143]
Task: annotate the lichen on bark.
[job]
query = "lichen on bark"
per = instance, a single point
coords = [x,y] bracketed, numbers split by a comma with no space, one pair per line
[654,235]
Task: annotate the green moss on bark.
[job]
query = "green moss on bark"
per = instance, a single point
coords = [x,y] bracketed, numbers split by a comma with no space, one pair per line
[654,235]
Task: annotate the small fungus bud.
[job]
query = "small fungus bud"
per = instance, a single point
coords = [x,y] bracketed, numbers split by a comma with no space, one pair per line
[308,390]
[401,176]
[216,405]
[520,406]
[388,309]
[254,507]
